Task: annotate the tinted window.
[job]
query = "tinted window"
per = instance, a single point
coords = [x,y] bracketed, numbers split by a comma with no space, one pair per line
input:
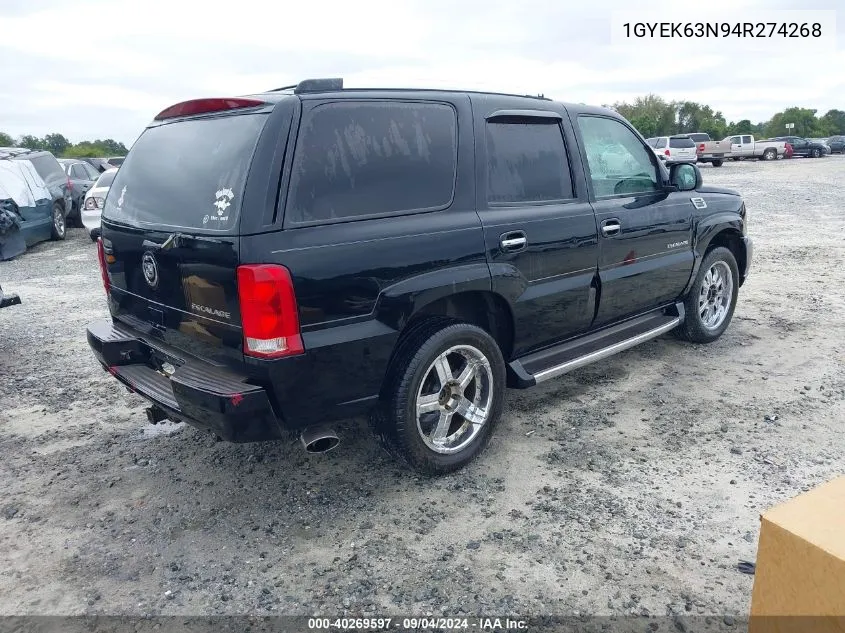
[526,161]
[746,139]
[189,174]
[105,179]
[681,142]
[116,162]
[359,159]
[48,167]
[618,161]
[700,138]
[651,141]
[661,143]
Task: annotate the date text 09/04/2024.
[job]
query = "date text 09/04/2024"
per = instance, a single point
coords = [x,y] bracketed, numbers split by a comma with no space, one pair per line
[417,624]
[673,30]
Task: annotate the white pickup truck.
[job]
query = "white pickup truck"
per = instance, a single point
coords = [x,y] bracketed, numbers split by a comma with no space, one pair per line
[744,146]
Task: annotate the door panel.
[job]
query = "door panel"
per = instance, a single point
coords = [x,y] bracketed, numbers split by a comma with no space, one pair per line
[539,231]
[649,261]
[645,245]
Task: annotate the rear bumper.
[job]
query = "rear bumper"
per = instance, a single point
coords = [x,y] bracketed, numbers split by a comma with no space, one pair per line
[198,393]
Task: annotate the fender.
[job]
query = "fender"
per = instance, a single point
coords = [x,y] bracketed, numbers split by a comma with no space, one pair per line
[399,302]
[705,230]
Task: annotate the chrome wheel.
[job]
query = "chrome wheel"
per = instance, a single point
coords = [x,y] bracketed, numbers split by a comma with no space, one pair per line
[59,220]
[454,399]
[715,295]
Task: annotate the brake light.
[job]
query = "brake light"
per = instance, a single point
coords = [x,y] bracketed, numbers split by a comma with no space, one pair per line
[104,271]
[205,106]
[667,152]
[69,185]
[269,314]
[701,148]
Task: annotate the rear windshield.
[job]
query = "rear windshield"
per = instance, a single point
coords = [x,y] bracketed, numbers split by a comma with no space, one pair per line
[681,142]
[48,167]
[700,138]
[186,175]
[106,179]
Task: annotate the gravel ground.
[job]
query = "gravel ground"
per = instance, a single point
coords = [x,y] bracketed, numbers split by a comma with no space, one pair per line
[633,486]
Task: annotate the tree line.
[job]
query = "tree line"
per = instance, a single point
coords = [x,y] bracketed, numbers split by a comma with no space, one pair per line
[654,116]
[60,146]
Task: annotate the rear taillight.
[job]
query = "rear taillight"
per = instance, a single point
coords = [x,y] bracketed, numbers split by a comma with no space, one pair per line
[69,185]
[205,106]
[701,148]
[104,271]
[269,314]
[667,152]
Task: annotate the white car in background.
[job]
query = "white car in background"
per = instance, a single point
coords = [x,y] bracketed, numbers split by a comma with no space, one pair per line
[674,149]
[95,198]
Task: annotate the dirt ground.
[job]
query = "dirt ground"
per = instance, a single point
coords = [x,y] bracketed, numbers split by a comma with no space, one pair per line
[633,486]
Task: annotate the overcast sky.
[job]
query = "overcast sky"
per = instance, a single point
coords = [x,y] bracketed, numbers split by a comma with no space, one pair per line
[97,69]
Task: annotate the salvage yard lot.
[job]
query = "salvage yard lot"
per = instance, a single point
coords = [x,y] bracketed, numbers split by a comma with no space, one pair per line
[631,486]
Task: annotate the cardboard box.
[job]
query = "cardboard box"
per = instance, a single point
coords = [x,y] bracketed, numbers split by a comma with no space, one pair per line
[801,564]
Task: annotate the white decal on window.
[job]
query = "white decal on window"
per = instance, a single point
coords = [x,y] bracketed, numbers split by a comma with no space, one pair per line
[224,199]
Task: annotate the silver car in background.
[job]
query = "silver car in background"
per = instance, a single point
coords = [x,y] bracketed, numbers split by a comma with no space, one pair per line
[95,198]
[674,149]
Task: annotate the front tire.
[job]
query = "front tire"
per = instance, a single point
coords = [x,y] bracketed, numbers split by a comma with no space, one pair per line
[710,304]
[59,229]
[816,153]
[444,396]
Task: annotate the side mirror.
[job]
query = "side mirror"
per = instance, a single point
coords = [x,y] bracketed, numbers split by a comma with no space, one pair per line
[685,176]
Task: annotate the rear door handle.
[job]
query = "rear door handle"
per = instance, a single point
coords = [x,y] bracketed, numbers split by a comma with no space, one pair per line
[610,228]
[513,241]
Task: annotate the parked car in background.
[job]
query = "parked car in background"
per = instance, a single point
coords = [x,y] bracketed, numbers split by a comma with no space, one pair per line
[54,177]
[803,147]
[823,142]
[744,146]
[82,176]
[115,161]
[28,214]
[94,201]
[100,164]
[836,144]
[709,151]
[674,149]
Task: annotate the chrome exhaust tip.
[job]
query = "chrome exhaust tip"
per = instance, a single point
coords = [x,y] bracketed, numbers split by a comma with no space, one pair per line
[319,439]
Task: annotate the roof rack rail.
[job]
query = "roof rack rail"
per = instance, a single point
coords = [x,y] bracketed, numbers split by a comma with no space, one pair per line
[313,85]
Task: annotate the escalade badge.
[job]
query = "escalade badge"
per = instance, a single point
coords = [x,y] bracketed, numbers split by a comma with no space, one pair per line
[150,269]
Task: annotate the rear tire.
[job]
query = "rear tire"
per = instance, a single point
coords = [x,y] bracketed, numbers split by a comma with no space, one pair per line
[816,153]
[770,154]
[443,397]
[717,163]
[59,229]
[710,304]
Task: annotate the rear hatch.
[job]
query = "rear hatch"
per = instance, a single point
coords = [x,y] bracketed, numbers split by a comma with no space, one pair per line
[682,147]
[170,227]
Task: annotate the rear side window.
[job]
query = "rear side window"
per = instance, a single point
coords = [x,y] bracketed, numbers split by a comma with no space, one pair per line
[78,171]
[48,167]
[681,142]
[661,143]
[526,161]
[186,174]
[358,159]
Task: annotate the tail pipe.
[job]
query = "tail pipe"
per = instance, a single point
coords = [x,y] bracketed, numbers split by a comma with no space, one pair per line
[319,439]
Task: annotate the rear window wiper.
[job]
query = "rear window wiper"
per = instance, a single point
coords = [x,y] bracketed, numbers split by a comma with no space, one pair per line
[178,240]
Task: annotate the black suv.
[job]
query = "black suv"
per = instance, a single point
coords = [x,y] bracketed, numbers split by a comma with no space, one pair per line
[803,147]
[277,261]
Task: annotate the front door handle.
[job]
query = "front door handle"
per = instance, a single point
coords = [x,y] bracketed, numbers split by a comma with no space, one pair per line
[610,228]
[513,241]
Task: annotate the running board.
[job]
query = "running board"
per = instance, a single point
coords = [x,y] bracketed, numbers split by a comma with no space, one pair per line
[570,355]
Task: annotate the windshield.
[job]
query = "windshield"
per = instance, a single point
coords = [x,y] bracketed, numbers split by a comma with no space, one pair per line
[186,175]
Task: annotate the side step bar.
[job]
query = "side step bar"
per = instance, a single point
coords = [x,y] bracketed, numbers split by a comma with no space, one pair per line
[570,355]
